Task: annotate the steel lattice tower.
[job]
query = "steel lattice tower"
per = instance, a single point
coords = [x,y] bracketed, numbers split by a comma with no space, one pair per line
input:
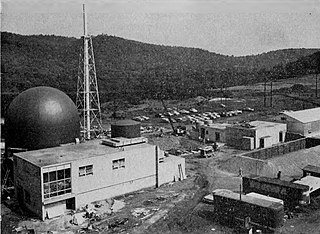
[87,101]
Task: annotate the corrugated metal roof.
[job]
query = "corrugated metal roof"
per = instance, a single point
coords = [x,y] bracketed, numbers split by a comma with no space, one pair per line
[305,116]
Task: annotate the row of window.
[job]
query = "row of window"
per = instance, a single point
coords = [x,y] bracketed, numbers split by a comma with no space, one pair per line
[58,182]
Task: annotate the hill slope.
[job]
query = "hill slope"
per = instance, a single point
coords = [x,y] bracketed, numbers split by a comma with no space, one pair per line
[128,69]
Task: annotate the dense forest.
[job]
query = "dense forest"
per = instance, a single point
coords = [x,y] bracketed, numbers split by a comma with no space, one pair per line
[133,70]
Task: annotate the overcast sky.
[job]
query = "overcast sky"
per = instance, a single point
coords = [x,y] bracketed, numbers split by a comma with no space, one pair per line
[233,27]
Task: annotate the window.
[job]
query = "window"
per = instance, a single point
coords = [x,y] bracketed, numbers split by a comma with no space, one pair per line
[207,132]
[86,170]
[118,163]
[56,181]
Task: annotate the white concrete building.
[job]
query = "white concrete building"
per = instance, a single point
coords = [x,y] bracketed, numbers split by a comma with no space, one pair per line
[303,122]
[50,181]
[255,135]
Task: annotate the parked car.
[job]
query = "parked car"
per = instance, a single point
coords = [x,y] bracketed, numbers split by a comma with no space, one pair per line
[138,118]
[145,117]
[248,109]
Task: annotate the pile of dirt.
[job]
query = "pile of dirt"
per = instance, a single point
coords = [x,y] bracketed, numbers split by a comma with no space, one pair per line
[291,164]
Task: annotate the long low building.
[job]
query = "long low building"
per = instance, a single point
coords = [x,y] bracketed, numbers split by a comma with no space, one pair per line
[50,181]
[303,122]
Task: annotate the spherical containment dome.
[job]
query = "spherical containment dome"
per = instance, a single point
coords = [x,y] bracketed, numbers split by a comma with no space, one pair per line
[41,117]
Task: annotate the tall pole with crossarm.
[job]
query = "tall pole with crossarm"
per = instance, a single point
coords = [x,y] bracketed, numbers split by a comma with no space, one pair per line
[88,102]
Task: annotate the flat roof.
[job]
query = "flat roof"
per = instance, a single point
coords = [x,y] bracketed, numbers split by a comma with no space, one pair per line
[277,182]
[311,168]
[311,181]
[305,116]
[221,126]
[258,124]
[248,199]
[69,153]
[258,195]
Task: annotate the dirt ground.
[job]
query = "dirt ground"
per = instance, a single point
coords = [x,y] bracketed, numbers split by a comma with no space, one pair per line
[174,207]
[171,208]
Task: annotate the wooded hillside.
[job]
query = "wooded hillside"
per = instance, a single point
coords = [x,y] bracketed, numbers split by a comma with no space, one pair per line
[133,70]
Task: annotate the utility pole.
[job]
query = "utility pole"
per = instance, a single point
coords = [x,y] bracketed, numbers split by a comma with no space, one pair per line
[88,102]
[316,85]
[265,93]
[271,94]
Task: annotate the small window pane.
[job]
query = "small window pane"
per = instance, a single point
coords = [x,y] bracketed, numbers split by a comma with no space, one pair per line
[67,173]
[60,174]
[115,164]
[82,171]
[53,187]
[45,177]
[68,183]
[89,170]
[46,188]
[53,176]
[60,185]
[68,191]
[61,192]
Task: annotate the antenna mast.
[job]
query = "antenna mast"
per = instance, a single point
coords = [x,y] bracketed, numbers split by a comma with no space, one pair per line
[88,103]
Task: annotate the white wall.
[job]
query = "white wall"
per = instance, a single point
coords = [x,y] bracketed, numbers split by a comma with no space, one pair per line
[107,182]
[273,132]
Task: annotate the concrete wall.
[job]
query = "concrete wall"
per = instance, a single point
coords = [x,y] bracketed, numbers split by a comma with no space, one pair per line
[273,135]
[28,178]
[169,170]
[237,137]
[277,150]
[105,182]
[304,129]
[139,172]
[234,136]
[210,133]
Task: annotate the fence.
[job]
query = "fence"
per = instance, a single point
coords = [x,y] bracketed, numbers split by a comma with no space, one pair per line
[276,150]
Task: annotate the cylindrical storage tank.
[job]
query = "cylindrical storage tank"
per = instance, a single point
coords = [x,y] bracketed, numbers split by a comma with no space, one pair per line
[41,117]
[125,128]
[208,121]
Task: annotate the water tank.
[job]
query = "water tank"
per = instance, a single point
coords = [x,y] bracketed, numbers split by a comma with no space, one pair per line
[41,117]
[125,128]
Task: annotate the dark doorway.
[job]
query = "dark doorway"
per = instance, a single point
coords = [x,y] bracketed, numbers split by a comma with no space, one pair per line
[217,136]
[71,203]
[280,136]
[203,133]
[261,142]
